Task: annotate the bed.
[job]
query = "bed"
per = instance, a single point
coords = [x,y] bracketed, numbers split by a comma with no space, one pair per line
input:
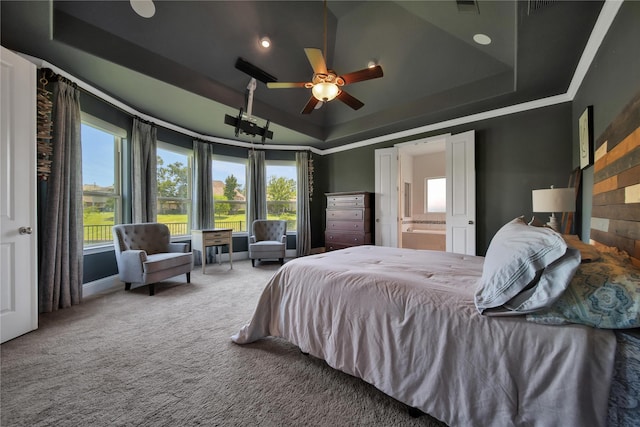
[405,321]
[542,331]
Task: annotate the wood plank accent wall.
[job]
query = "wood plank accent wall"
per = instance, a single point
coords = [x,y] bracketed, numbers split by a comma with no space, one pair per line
[615,218]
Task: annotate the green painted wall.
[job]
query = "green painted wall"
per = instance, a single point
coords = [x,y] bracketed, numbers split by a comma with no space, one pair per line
[514,155]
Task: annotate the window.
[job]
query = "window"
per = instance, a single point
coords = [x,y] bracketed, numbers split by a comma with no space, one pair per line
[101,189]
[436,197]
[282,192]
[230,192]
[174,188]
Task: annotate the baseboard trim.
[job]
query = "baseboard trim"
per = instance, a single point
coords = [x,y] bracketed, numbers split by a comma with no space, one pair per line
[101,286]
[113,283]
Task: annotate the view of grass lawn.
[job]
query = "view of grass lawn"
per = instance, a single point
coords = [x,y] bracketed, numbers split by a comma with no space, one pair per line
[97,225]
[107,218]
[98,218]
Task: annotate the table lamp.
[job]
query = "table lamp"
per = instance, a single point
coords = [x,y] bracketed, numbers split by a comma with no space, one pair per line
[554,200]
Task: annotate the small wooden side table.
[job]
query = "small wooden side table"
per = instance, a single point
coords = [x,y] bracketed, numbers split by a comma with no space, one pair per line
[217,237]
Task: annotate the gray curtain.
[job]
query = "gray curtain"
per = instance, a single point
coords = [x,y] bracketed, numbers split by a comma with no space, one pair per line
[60,279]
[202,198]
[303,244]
[256,188]
[144,170]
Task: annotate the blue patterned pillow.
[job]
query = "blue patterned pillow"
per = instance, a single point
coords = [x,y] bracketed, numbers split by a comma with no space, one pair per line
[603,294]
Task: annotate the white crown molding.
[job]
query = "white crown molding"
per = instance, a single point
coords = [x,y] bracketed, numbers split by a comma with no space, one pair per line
[600,29]
[531,105]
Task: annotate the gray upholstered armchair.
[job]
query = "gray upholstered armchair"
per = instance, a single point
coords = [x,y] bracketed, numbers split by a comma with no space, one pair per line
[268,240]
[145,254]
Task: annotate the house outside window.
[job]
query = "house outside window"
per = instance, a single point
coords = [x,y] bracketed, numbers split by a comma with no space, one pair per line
[230,193]
[282,192]
[101,184]
[174,188]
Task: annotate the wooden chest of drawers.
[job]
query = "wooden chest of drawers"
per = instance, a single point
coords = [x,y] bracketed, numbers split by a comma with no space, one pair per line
[348,220]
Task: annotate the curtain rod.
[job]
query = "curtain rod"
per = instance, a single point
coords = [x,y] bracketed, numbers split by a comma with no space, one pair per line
[40,63]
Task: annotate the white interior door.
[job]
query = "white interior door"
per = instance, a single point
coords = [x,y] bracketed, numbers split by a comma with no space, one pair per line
[461,193]
[18,244]
[386,200]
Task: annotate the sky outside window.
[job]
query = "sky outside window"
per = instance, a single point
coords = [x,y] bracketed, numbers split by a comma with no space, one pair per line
[222,169]
[288,172]
[98,163]
[170,157]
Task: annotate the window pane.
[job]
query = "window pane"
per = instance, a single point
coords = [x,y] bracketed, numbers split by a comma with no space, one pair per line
[174,190]
[100,186]
[282,193]
[436,194]
[98,159]
[229,193]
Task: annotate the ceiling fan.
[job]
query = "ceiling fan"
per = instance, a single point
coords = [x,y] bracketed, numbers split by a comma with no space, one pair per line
[326,84]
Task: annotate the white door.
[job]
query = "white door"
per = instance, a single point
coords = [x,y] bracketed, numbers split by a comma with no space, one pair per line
[18,244]
[461,193]
[386,200]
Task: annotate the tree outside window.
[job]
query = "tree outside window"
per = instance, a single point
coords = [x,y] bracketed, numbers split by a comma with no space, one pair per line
[174,188]
[229,193]
[282,192]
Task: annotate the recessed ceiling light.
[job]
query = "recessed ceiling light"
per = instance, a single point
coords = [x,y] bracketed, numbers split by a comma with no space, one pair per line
[265,42]
[144,8]
[482,39]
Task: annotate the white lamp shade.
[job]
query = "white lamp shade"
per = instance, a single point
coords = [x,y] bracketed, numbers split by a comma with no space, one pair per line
[325,91]
[554,200]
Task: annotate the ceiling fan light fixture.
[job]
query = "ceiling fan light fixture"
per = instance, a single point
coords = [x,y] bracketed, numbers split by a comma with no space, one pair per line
[325,92]
[371,64]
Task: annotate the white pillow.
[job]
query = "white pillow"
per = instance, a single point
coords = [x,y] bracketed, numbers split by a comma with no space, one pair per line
[526,269]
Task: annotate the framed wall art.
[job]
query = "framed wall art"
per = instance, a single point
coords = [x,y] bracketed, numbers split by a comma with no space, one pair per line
[585,133]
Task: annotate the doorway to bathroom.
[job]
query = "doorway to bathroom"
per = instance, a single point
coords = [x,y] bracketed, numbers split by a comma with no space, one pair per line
[412,210]
[422,171]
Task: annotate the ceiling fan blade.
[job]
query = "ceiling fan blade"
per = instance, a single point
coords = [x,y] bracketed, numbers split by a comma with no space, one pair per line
[366,74]
[316,59]
[311,105]
[283,85]
[351,101]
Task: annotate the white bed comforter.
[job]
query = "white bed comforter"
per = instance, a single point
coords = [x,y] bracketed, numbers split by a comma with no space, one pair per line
[404,320]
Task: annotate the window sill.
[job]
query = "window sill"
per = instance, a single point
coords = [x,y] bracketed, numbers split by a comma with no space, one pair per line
[98,249]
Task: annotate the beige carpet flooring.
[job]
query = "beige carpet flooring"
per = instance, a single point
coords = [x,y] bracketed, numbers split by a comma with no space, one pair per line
[128,359]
